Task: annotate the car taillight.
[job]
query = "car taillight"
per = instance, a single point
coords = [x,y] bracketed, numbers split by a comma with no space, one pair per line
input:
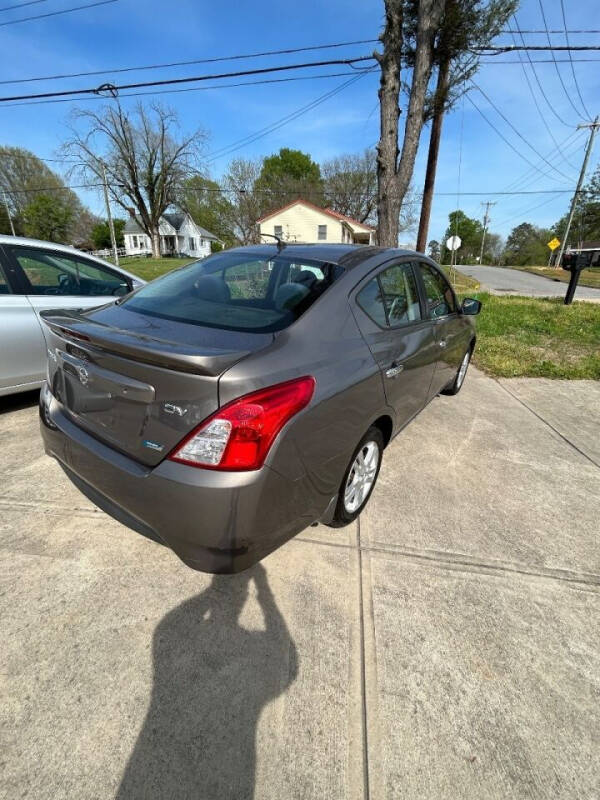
[239,435]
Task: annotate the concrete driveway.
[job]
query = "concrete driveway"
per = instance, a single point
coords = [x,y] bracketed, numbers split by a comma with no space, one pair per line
[445,647]
[500,280]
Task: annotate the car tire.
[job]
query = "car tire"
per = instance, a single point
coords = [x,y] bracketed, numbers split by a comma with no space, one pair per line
[366,459]
[457,384]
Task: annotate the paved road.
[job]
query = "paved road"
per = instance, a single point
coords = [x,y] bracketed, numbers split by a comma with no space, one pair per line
[500,280]
[445,647]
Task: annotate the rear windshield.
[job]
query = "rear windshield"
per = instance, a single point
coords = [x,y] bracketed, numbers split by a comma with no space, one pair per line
[237,291]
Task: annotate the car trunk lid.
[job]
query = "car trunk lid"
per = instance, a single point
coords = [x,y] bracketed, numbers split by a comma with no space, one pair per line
[139,385]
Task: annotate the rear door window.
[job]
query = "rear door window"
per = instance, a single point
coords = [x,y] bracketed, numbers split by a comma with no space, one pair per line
[237,292]
[392,298]
[55,273]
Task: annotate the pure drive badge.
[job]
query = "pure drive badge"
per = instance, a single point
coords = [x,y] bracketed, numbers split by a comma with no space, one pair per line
[153,445]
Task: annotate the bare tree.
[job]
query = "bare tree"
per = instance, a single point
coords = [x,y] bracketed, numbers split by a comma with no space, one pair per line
[146,158]
[351,184]
[247,204]
[395,168]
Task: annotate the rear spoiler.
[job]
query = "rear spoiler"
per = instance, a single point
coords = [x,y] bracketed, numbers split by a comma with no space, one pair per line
[73,326]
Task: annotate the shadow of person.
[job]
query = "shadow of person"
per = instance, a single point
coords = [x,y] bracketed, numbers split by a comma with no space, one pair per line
[212,678]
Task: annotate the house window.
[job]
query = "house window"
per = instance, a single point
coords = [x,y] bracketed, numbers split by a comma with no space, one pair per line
[134,241]
[201,242]
[192,243]
[142,241]
[278,230]
[322,234]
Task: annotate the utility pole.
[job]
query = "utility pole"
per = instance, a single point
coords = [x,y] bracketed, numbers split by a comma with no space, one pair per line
[588,151]
[12,227]
[486,220]
[111,226]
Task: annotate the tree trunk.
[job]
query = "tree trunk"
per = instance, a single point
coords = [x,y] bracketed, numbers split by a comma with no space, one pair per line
[394,176]
[155,244]
[388,201]
[441,92]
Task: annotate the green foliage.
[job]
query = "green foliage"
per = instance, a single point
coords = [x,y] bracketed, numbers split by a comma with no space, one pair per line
[526,245]
[22,174]
[208,207]
[466,27]
[470,231]
[287,175]
[100,234]
[46,218]
[215,247]
[538,337]
[586,221]
[434,249]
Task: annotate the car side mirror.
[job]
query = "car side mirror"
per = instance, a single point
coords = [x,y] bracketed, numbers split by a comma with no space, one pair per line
[470,306]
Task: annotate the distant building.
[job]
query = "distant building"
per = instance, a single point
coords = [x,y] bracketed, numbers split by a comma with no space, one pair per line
[302,221]
[179,235]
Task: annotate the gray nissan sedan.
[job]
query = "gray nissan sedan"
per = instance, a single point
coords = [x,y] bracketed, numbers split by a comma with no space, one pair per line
[227,406]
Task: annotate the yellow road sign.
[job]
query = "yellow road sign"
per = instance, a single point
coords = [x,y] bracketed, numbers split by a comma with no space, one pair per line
[554,243]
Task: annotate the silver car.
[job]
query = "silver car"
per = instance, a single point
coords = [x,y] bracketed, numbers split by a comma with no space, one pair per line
[37,275]
[228,405]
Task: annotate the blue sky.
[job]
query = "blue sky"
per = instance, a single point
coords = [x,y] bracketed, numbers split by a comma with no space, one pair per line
[132,32]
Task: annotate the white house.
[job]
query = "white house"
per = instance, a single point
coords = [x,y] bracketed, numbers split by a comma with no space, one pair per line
[302,221]
[179,235]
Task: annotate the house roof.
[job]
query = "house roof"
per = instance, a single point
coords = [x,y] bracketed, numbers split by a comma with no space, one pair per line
[349,220]
[175,220]
[132,226]
[328,211]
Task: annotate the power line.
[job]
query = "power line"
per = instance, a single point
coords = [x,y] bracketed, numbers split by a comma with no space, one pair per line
[115,70]
[223,151]
[562,8]
[505,140]
[525,211]
[519,134]
[586,30]
[112,90]
[227,190]
[558,72]
[543,93]
[537,105]
[509,48]
[495,60]
[22,5]
[57,13]
[576,136]
[187,89]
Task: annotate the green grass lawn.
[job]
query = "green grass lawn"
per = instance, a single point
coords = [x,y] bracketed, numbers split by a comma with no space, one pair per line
[588,277]
[538,337]
[150,268]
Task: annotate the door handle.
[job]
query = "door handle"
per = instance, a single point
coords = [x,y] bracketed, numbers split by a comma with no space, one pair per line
[442,343]
[394,371]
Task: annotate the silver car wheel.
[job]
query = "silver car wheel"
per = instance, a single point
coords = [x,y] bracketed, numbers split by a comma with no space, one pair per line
[361,476]
[463,369]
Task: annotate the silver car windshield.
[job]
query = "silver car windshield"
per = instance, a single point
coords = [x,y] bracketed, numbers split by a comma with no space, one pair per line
[237,291]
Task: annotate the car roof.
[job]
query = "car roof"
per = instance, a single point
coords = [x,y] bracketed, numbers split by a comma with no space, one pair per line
[23,241]
[347,255]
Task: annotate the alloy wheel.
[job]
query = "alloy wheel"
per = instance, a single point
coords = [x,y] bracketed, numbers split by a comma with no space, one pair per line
[361,476]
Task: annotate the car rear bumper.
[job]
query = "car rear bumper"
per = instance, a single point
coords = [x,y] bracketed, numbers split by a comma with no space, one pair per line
[218,522]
